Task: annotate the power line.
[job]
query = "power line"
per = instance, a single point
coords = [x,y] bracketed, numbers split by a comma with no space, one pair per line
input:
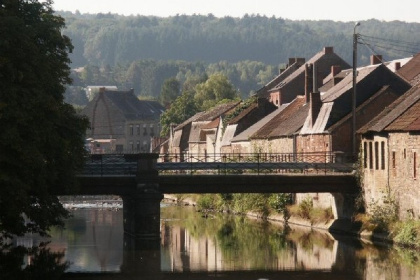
[388,44]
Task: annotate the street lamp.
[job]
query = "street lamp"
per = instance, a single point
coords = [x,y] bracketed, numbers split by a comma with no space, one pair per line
[355,35]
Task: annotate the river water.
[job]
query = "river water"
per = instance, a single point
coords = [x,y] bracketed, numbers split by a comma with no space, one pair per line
[197,246]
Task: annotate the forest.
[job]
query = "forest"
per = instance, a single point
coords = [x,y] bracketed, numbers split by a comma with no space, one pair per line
[141,52]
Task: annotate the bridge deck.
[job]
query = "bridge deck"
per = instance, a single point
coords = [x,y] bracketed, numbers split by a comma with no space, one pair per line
[243,183]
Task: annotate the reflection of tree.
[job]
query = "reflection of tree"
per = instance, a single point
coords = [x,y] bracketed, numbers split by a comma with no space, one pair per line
[31,263]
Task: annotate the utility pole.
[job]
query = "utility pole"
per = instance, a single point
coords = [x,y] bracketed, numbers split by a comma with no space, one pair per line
[354,96]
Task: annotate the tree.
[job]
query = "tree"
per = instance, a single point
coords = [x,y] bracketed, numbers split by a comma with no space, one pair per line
[215,89]
[169,92]
[41,137]
[183,108]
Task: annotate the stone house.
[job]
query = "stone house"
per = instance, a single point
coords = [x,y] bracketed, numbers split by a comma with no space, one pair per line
[246,115]
[328,125]
[121,116]
[390,147]
[200,135]
[291,82]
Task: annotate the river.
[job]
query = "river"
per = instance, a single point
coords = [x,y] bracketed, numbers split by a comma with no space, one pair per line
[197,246]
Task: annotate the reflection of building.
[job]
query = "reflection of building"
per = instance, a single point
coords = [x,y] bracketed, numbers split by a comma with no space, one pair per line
[121,116]
[184,251]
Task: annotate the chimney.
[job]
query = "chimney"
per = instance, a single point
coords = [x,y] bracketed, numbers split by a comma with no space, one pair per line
[328,50]
[315,98]
[300,60]
[375,59]
[308,81]
[397,66]
[292,60]
[335,70]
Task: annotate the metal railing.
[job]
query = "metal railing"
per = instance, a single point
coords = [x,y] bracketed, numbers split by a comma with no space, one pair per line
[222,163]
[260,163]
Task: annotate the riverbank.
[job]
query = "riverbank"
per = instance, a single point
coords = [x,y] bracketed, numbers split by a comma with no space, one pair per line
[339,226]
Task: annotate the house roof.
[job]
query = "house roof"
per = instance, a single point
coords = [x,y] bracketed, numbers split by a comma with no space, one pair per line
[228,134]
[247,133]
[327,52]
[286,122]
[347,83]
[131,106]
[411,70]
[195,131]
[399,108]
[209,115]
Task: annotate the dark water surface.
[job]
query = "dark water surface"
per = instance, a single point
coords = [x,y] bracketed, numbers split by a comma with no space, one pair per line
[219,247]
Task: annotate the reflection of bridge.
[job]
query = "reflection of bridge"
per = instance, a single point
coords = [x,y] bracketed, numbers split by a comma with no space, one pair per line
[220,173]
[141,180]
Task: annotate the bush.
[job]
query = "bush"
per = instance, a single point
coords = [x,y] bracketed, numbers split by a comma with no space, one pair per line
[407,233]
[305,208]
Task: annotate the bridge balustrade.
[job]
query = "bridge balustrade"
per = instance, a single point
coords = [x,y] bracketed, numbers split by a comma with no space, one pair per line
[222,163]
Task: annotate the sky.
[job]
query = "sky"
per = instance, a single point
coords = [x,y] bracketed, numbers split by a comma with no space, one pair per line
[347,11]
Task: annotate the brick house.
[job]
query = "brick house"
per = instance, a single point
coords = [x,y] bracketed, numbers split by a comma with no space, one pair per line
[328,125]
[390,148]
[121,116]
[291,82]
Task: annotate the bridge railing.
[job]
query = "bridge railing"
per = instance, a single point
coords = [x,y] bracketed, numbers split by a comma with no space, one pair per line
[256,163]
[260,163]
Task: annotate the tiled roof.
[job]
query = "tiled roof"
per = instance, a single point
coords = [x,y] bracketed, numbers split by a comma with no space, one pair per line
[212,124]
[347,83]
[411,70]
[317,57]
[195,131]
[384,120]
[243,113]
[209,115]
[247,133]
[188,121]
[132,107]
[217,111]
[285,122]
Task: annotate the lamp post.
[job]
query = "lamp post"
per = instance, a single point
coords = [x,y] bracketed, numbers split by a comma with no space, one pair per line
[355,35]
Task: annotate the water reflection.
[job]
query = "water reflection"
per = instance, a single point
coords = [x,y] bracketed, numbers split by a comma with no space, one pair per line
[196,247]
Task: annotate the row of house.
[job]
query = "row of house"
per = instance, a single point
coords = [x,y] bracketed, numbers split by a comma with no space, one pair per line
[308,108]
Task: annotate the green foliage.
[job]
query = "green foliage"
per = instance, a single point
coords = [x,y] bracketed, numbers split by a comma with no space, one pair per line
[170,91]
[305,208]
[207,202]
[214,90]
[407,233]
[383,214]
[183,108]
[41,137]
[279,203]
[238,109]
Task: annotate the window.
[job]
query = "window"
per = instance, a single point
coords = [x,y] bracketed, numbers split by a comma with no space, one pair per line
[393,159]
[370,156]
[365,155]
[152,131]
[144,130]
[405,153]
[131,145]
[138,146]
[131,129]
[376,155]
[383,155]
[138,129]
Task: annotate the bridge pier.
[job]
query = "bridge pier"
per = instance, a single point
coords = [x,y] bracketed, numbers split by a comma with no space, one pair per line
[141,207]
